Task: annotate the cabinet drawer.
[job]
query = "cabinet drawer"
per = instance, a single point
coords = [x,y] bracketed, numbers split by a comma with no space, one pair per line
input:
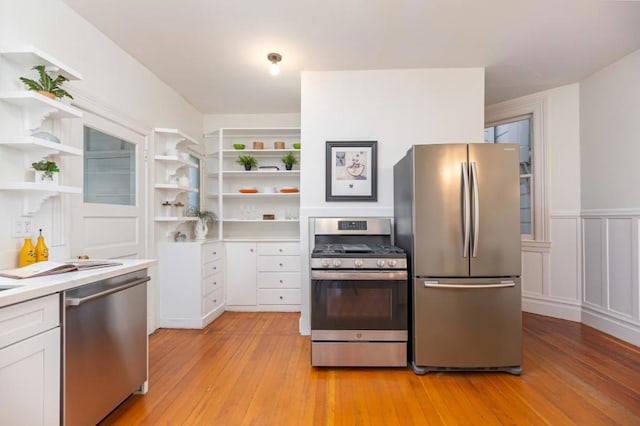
[279,297]
[212,301]
[212,282]
[271,249]
[28,318]
[278,263]
[211,252]
[278,280]
[212,267]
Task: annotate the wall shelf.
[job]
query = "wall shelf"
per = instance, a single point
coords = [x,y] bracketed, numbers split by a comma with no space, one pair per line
[36,147]
[34,194]
[36,107]
[29,56]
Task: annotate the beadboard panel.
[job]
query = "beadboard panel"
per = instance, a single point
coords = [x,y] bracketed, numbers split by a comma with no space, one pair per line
[620,280]
[611,283]
[565,273]
[593,261]
[551,271]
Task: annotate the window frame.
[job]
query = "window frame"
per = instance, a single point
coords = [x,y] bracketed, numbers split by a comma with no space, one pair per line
[535,107]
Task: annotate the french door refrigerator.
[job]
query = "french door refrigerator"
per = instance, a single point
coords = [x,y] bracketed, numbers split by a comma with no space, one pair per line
[457,215]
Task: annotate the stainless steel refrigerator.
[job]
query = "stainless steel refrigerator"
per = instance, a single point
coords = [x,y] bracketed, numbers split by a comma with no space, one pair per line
[457,214]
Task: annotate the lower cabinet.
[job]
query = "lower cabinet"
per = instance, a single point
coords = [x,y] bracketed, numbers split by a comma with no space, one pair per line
[191,283]
[30,362]
[263,276]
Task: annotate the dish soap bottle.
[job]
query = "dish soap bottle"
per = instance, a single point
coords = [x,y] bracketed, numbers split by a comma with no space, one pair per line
[28,253]
[42,252]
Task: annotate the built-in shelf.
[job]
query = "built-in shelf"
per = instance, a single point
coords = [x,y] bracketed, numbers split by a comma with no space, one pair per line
[274,152]
[180,162]
[245,173]
[29,56]
[231,220]
[41,147]
[261,195]
[36,107]
[175,219]
[174,187]
[34,194]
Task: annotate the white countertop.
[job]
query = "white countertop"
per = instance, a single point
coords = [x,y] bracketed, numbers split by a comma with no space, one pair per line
[30,288]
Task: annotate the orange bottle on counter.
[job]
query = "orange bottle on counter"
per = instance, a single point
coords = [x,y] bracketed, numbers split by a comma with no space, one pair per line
[42,252]
[28,253]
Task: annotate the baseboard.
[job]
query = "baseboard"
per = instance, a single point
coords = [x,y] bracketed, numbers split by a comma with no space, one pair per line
[616,327]
[551,308]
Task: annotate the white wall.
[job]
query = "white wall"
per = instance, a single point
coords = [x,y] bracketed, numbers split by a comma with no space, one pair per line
[213,122]
[610,149]
[397,108]
[113,82]
[114,85]
[610,129]
[551,264]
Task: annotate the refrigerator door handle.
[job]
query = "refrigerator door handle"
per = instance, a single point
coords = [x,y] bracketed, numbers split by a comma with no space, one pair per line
[436,284]
[466,211]
[476,209]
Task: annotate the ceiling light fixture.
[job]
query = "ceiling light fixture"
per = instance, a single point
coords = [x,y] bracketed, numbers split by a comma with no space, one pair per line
[274,58]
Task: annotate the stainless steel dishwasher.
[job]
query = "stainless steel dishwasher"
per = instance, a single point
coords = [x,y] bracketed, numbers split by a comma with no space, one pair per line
[105,346]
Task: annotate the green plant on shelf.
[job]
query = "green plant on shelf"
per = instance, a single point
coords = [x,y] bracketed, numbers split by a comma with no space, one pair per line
[46,166]
[46,84]
[248,161]
[289,160]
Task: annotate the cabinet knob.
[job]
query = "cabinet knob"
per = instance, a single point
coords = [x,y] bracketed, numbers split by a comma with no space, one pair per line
[281,298]
[251,250]
[215,252]
[215,267]
[280,250]
[280,265]
[281,282]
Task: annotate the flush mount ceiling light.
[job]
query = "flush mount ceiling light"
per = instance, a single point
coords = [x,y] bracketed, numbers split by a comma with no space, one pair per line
[274,58]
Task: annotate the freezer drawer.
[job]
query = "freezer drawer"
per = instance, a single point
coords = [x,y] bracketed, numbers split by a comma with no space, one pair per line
[467,324]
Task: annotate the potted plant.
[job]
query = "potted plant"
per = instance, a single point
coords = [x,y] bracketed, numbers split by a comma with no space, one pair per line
[248,161]
[289,159]
[46,171]
[46,85]
[205,218]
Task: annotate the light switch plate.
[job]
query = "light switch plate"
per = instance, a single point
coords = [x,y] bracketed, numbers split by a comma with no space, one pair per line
[22,227]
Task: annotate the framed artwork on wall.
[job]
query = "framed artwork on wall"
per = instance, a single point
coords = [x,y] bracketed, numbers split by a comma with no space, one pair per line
[351,173]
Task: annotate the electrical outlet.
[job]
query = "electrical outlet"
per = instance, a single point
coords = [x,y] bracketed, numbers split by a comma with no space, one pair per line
[22,227]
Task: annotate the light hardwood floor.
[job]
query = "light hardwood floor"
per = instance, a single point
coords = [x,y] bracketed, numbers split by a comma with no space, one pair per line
[254,369]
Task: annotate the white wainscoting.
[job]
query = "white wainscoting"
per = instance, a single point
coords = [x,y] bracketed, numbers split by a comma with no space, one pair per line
[611,264]
[551,271]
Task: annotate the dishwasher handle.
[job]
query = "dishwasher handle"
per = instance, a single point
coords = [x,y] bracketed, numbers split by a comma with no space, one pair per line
[77,301]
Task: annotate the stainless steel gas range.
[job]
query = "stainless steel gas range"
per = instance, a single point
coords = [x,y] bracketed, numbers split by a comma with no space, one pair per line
[359,293]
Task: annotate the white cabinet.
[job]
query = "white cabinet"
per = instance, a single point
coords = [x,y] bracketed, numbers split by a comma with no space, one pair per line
[30,362]
[36,110]
[260,203]
[263,276]
[172,176]
[241,274]
[191,282]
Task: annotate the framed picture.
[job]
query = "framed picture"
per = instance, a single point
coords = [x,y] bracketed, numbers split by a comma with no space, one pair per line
[351,173]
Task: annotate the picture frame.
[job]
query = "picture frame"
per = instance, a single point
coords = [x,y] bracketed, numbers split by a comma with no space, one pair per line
[351,171]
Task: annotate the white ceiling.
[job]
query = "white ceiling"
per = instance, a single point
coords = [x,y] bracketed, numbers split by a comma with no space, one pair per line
[213,52]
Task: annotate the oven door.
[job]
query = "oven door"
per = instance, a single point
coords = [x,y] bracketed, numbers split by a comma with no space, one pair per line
[358,300]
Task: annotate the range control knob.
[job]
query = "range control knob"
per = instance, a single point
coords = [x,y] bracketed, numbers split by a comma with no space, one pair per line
[392,262]
[325,263]
[358,263]
[380,263]
[336,262]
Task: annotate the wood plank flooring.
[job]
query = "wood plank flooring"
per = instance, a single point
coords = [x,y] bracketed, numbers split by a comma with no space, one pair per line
[254,369]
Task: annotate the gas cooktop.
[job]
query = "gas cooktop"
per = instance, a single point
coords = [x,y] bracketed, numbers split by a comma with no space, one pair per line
[357,250]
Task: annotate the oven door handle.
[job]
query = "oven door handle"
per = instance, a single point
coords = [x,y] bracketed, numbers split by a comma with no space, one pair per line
[359,275]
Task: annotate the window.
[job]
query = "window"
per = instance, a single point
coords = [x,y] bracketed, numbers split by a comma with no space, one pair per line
[194,177]
[518,130]
[109,169]
[522,121]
